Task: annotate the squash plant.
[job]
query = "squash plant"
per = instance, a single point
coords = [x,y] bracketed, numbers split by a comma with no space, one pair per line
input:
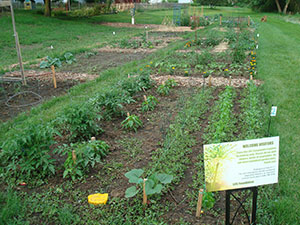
[153,184]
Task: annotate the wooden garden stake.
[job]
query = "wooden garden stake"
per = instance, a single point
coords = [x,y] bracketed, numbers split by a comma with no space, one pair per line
[203,85]
[220,20]
[145,98]
[17,44]
[199,204]
[144,193]
[147,36]
[74,156]
[209,81]
[53,75]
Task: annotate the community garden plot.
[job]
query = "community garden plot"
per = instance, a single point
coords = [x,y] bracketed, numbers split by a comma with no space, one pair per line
[137,129]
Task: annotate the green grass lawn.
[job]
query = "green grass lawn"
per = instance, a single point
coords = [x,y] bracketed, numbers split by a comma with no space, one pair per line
[37,33]
[278,66]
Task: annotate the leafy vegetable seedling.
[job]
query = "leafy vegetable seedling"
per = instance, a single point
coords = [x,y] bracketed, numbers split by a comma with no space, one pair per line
[149,103]
[132,122]
[153,184]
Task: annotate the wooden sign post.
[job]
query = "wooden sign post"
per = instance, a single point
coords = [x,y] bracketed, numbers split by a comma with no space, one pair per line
[9,3]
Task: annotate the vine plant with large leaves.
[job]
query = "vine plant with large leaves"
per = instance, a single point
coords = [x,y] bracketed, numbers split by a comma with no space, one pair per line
[153,184]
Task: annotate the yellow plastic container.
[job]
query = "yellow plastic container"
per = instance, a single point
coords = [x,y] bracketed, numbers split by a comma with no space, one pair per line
[97,199]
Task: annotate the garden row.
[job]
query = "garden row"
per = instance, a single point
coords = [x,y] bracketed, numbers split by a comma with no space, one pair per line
[218,53]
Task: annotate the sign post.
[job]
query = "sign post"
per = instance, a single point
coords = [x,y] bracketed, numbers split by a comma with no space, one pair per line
[239,166]
[273,113]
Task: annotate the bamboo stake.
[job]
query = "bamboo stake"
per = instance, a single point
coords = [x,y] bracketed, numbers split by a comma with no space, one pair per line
[17,44]
[144,193]
[199,204]
[74,156]
[53,76]
[202,11]
[209,81]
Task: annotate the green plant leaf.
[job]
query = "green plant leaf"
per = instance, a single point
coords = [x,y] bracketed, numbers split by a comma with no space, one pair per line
[149,187]
[44,64]
[164,178]
[131,191]
[134,176]
[157,189]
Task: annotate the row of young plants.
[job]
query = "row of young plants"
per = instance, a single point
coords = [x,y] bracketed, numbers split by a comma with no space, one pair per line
[231,62]
[252,117]
[31,152]
[166,168]
[221,127]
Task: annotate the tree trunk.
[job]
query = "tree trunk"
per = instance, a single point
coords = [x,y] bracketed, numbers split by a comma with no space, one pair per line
[47,7]
[278,6]
[286,6]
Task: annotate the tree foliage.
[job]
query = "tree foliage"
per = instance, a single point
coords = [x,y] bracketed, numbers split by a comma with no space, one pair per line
[284,6]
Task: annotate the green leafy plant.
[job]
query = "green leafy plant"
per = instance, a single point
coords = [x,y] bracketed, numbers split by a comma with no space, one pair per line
[149,103]
[79,121]
[153,184]
[111,103]
[170,83]
[69,58]
[163,89]
[82,156]
[213,38]
[26,154]
[238,54]
[49,62]
[132,122]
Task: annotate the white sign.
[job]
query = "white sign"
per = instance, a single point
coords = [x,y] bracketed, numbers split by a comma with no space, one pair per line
[273,111]
[4,3]
[241,164]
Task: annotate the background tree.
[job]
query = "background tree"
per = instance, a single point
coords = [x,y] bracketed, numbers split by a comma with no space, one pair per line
[47,7]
